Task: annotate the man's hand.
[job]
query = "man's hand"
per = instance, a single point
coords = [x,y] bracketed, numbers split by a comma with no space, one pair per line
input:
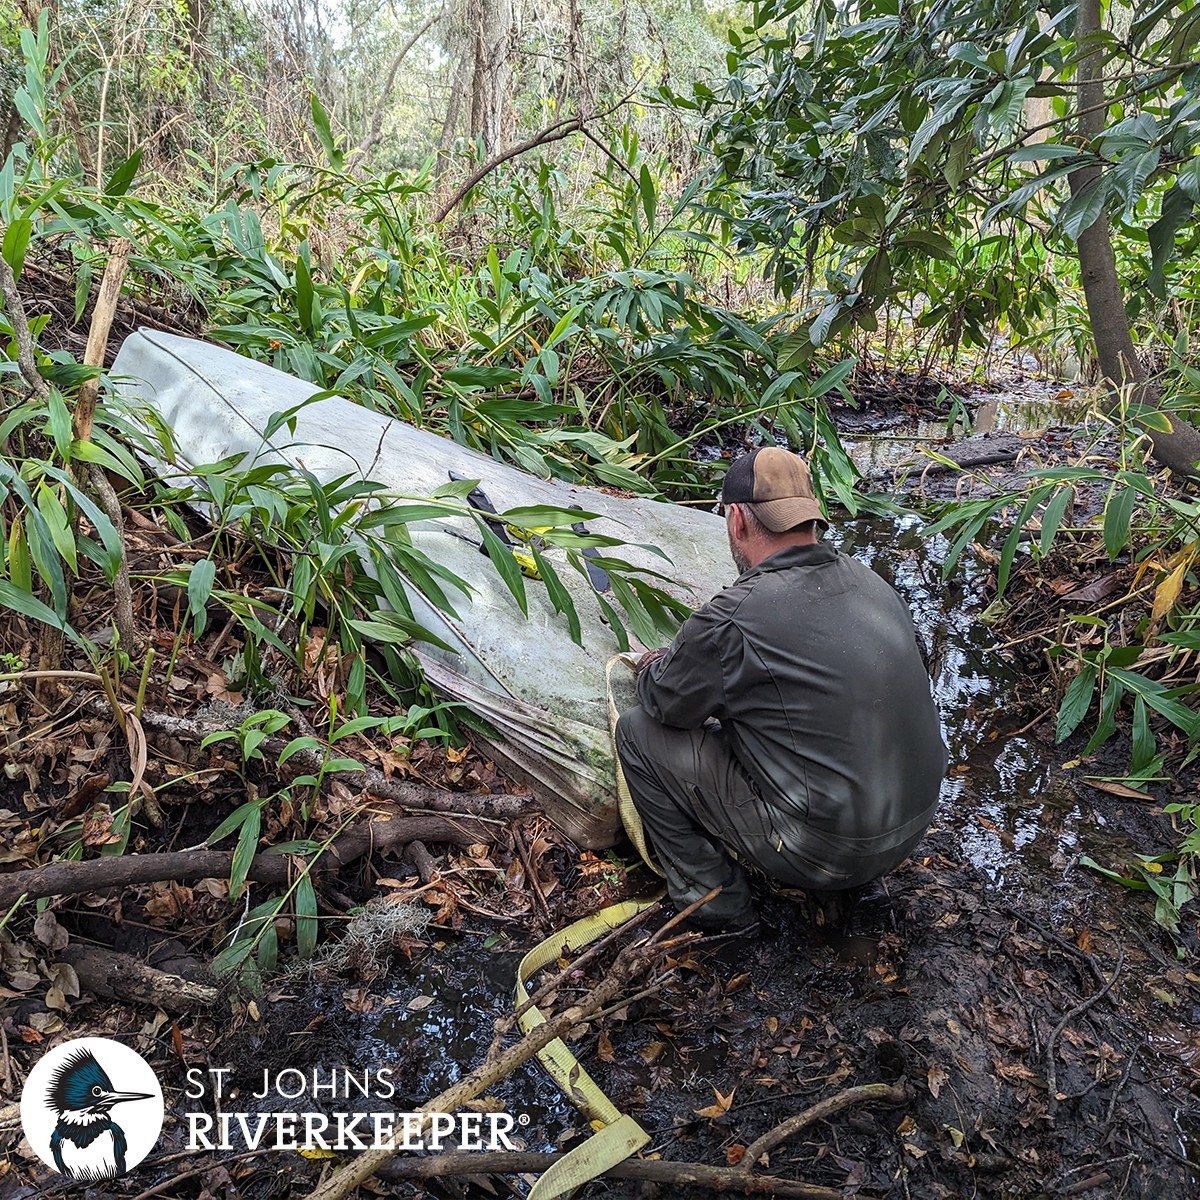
[651,656]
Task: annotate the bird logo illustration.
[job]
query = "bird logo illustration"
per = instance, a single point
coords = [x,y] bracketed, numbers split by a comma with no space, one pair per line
[87,1143]
[92,1109]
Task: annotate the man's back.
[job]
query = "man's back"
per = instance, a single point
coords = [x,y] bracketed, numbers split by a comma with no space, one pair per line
[810,663]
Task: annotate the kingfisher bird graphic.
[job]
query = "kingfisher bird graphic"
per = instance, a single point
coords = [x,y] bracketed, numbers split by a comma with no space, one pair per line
[87,1143]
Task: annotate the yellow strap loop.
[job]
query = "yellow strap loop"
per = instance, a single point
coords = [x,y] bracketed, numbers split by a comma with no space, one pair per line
[630,818]
[617,1134]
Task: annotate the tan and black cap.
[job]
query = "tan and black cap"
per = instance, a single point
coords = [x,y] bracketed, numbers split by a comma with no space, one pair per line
[777,486]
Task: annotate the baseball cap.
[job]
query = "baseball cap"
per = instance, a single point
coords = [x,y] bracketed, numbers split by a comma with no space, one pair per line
[777,486]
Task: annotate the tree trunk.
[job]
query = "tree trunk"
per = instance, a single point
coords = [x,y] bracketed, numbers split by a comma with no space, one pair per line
[1123,371]
[490,28]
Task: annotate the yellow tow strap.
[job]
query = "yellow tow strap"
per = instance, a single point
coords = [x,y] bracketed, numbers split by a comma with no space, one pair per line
[617,1134]
[629,815]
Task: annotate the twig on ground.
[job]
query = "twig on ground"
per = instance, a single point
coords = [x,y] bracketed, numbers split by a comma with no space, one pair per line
[1112,1104]
[864,1093]
[530,874]
[1070,1015]
[670,1174]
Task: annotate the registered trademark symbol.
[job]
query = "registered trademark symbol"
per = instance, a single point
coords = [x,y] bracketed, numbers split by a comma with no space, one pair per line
[523,1119]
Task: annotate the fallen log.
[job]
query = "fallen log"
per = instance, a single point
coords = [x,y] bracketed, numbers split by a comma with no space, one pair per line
[677,1174]
[117,976]
[183,866]
[986,450]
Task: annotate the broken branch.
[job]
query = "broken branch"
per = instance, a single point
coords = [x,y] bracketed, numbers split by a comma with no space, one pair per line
[865,1093]
[677,1174]
[117,976]
[182,866]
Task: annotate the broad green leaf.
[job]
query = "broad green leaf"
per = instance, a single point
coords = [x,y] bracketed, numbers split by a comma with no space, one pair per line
[297,744]
[506,566]
[244,851]
[235,820]
[16,243]
[1117,514]
[934,244]
[1052,518]
[306,916]
[20,601]
[1076,702]
[124,174]
[1082,210]
[320,119]
[199,589]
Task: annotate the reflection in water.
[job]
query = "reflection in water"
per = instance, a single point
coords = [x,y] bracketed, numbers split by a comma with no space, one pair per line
[470,985]
[1034,406]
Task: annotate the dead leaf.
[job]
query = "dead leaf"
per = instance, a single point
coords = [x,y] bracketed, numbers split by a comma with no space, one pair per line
[1092,593]
[652,1051]
[49,932]
[604,1048]
[417,1003]
[1118,789]
[719,1109]
[937,1077]
[1167,594]
[1014,1072]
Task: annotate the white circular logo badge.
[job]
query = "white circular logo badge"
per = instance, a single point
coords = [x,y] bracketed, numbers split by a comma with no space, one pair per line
[92,1109]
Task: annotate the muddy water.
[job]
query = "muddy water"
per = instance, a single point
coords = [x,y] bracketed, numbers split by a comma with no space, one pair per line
[1024,406]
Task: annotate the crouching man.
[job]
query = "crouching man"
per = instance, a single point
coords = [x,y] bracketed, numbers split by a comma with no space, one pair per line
[790,725]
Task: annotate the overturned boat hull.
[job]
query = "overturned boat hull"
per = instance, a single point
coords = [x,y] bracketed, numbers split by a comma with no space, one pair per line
[543,695]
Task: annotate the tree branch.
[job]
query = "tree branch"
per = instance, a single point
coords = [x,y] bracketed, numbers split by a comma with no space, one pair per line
[375,132]
[182,866]
[17,318]
[552,133]
[863,1094]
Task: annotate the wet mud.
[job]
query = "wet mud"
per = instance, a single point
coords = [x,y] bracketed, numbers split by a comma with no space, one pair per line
[963,975]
